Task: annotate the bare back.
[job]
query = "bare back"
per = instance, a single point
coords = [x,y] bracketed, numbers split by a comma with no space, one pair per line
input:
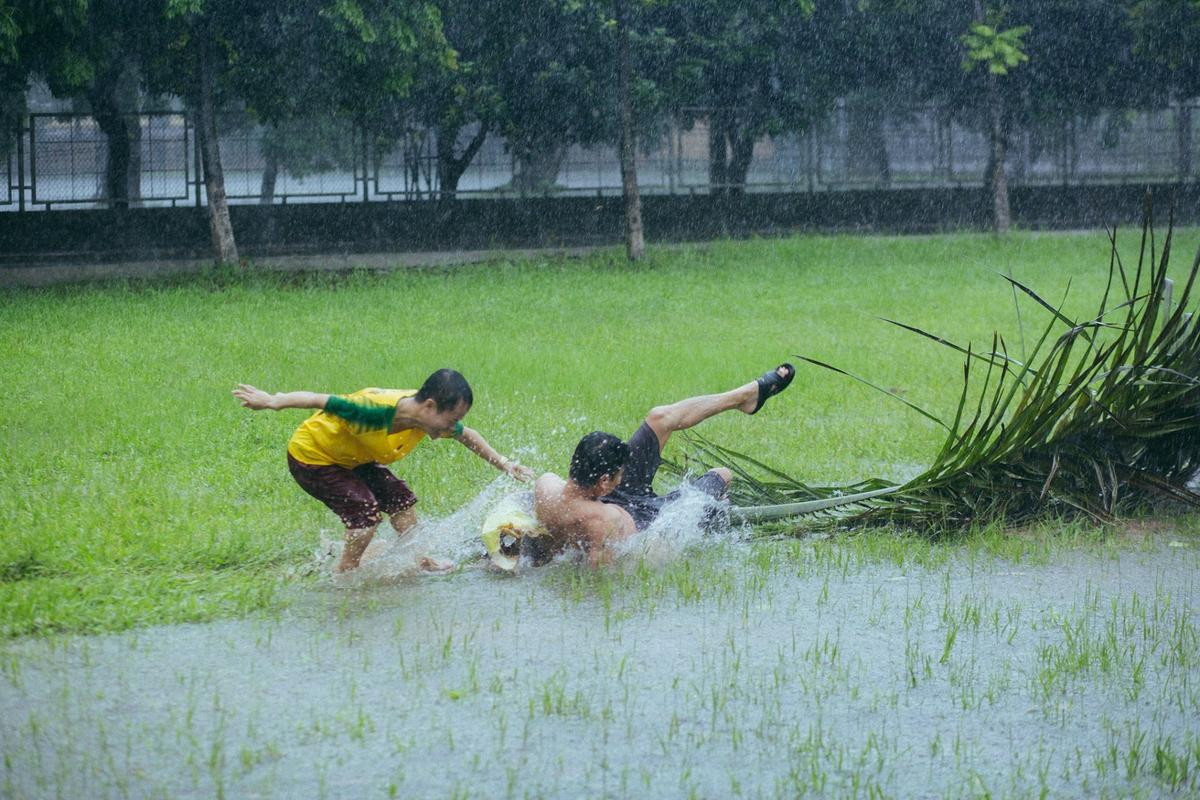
[577,520]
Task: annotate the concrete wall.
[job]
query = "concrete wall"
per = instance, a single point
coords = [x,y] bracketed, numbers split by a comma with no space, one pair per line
[52,237]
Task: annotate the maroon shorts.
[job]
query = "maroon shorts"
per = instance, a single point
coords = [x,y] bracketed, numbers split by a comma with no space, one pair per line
[356,495]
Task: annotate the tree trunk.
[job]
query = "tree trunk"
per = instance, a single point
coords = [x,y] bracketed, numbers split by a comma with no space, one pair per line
[450,168]
[635,245]
[115,127]
[742,147]
[270,177]
[224,246]
[718,164]
[537,168]
[883,163]
[1072,148]
[113,97]
[133,171]
[128,93]
[1001,219]
[867,144]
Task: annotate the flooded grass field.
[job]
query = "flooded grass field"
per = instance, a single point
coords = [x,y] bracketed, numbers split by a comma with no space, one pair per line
[162,500]
[1047,664]
[169,626]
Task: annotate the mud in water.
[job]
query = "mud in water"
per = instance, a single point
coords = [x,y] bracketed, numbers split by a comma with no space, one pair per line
[696,667]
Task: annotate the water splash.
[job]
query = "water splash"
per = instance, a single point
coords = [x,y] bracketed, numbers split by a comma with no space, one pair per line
[454,538]
[683,525]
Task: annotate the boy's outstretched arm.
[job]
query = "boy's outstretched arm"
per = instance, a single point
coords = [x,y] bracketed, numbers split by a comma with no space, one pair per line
[257,399]
[474,441]
[362,416]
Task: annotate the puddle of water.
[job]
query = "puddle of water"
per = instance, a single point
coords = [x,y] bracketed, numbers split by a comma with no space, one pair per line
[452,538]
[699,667]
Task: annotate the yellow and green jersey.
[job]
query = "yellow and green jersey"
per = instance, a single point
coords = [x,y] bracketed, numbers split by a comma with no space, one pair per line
[325,439]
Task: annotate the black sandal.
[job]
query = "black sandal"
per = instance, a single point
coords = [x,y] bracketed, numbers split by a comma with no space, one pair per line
[772,383]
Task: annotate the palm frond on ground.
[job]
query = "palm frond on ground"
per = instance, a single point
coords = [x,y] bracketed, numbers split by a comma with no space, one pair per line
[1103,416]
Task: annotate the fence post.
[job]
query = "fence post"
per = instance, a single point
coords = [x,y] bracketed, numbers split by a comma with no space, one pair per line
[31,177]
[1168,289]
[197,164]
[366,165]
[20,165]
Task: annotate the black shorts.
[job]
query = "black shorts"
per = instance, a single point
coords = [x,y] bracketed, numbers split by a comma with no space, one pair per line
[635,493]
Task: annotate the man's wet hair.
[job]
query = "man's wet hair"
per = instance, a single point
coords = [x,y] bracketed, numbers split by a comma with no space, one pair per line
[447,388]
[597,454]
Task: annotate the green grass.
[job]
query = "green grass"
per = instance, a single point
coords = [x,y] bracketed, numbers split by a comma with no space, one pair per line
[135,490]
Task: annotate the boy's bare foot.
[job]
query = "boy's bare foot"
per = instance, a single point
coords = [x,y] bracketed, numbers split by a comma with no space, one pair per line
[428,564]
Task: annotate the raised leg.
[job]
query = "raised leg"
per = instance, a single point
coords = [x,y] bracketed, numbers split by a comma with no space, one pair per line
[665,420]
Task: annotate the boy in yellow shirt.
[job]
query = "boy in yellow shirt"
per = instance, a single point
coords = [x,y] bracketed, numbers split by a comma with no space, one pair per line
[338,454]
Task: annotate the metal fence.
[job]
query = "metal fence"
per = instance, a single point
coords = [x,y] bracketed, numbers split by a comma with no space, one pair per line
[67,159]
[59,160]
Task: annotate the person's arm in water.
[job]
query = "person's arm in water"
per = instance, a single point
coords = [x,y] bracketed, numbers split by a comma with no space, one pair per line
[474,441]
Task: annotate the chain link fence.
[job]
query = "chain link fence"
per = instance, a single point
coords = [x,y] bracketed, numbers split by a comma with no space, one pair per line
[67,160]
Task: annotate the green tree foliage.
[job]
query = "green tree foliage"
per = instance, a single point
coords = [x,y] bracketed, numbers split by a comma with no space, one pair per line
[284,61]
[555,84]
[1048,65]
[1166,33]
[998,51]
[316,69]
[752,68]
[304,146]
[91,51]
[543,73]
[459,97]
[8,33]
[1079,56]
[13,76]
[281,61]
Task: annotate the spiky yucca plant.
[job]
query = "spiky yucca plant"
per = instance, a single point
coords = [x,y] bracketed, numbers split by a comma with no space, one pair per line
[1103,416]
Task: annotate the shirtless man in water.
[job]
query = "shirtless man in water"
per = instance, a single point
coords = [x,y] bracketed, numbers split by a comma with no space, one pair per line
[607,496]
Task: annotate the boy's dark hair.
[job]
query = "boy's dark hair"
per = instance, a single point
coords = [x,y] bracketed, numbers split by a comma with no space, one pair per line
[597,454]
[448,388]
